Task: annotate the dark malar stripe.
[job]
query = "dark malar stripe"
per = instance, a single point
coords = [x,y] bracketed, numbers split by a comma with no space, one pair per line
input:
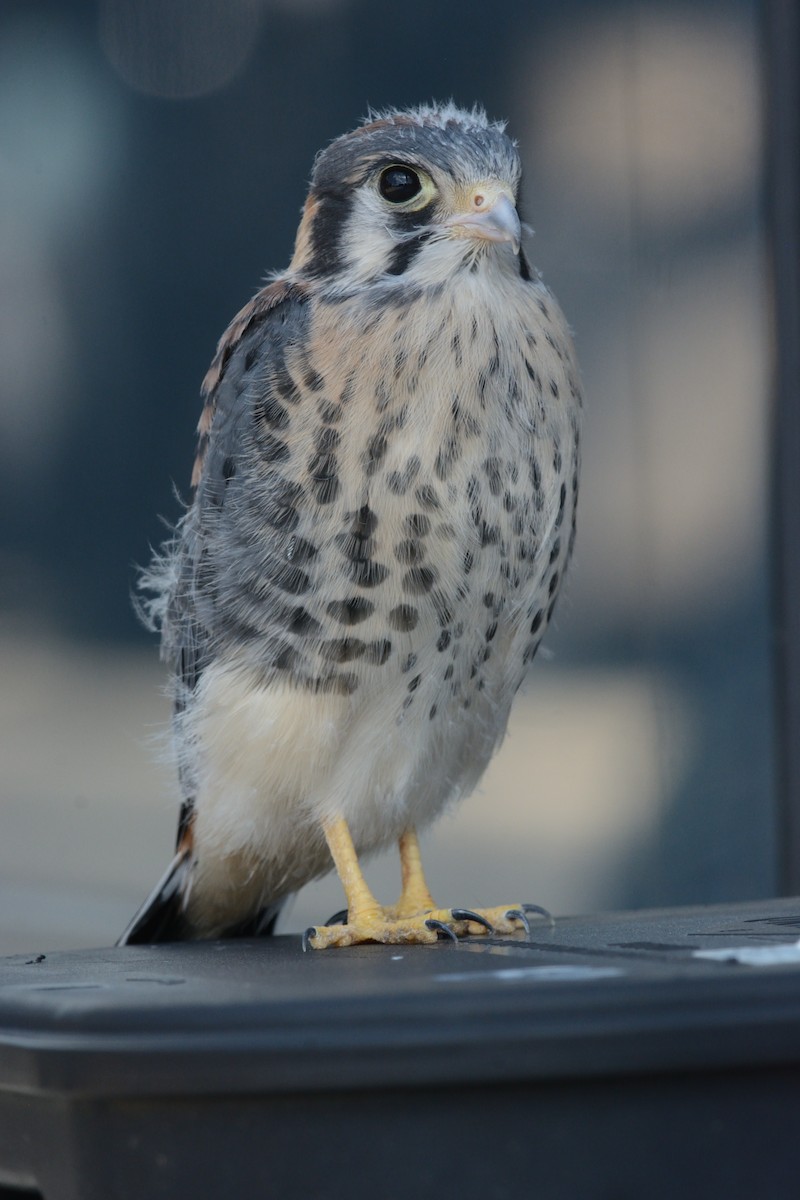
[326,234]
[404,254]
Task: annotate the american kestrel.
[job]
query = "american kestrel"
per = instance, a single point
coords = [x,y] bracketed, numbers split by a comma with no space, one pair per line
[383,512]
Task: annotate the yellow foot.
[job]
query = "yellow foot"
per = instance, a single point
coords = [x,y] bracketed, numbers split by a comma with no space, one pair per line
[392,928]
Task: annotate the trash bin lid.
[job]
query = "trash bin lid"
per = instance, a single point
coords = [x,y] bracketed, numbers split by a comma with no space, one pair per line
[666,990]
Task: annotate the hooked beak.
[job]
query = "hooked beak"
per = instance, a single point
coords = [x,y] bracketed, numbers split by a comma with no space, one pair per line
[491,217]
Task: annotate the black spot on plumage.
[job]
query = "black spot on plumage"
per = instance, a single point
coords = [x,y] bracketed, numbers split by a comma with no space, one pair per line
[291,579]
[509,502]
[488,599]
[285,386]
[420,580]
[403,618]
[554,388]
[299,550]
[414,683]
[342,650]
[281,512]
[352,611]
[409,552]
[492,469]
[455,346]
[548,337]
[375,453]
[302,623]
[482,385]
[271,448]
[368,574]
[327,440]
[491,631]
[399,482]
[469,559]
[323,470]
[553,583]
[489,534]
[285,656]
[443,640]
[449,451]
[335,683]
[383,395]
[418,525]
[449,672]
[428,498]
[408,662]
[329,413]
[356,544]
[556,550]
[494,361]
[313,380]
[396,483]
[273,413]
[326,488]
[378,652]
[433,712]
[348,389]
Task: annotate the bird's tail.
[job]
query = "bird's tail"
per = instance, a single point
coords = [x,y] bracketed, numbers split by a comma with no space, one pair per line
[162,917]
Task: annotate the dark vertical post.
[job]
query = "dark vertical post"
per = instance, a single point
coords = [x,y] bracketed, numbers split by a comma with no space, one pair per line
[782,141]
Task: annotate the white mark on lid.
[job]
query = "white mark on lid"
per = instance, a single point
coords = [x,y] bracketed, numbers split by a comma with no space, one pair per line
[755,956]
[556,974]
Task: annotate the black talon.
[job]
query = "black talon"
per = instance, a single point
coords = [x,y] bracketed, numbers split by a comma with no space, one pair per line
[516,914]
[466,914]
[339,918]
[441,929]
[310,933]
[541,912]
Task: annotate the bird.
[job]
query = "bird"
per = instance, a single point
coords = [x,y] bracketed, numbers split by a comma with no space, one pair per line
[382,513]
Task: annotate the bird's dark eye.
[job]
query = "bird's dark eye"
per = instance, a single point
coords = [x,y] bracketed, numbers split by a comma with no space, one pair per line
[399,184]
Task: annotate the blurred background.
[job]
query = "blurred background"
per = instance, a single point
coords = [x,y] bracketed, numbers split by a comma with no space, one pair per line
[153,160]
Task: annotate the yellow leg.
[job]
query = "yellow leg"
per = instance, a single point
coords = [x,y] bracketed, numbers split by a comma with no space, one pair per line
[361,904]
[367,921]
[415,918]
[415,896]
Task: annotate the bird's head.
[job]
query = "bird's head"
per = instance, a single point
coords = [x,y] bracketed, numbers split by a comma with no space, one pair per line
[419,194]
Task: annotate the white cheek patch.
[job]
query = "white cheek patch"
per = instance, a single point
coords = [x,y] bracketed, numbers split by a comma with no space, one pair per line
[367,241]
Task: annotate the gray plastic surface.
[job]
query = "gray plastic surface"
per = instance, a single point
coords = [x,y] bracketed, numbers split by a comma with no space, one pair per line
[147,1070]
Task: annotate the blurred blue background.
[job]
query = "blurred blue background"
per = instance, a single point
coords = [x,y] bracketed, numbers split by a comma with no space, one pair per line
[153,160]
